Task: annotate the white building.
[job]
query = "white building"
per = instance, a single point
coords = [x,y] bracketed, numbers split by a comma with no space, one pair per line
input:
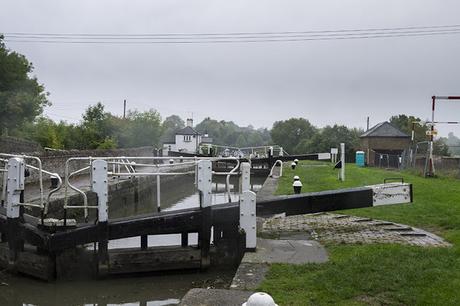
[187,140]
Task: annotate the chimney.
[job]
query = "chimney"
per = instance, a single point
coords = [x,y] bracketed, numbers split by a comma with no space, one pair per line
[190,122]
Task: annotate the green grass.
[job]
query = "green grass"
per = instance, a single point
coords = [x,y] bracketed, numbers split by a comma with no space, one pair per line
[379,274]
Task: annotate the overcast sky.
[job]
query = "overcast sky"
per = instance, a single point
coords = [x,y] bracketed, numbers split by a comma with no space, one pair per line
[327,82]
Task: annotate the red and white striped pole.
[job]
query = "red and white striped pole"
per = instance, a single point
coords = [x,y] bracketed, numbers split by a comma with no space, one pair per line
[433,106]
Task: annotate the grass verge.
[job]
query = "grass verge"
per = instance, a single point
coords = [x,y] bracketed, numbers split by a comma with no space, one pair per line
[379,274]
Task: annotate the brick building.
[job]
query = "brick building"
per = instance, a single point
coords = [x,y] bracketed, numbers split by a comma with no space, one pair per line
[384,144]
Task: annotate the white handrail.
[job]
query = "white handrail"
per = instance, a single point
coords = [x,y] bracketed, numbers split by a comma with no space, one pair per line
[280,162]
[40,171]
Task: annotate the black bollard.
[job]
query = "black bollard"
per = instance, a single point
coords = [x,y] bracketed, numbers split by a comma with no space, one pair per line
[293,165]
[297,186]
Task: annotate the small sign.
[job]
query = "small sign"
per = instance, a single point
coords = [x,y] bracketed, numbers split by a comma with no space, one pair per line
[430,132]
[334,151]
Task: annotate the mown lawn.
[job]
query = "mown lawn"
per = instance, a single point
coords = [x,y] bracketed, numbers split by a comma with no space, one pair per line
[379,274]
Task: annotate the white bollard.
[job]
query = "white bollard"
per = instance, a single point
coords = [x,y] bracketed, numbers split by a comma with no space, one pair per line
[260,299]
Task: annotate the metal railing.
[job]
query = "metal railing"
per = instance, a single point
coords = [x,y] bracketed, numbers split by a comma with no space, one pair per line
[280,163]
[42,205]
[132,170]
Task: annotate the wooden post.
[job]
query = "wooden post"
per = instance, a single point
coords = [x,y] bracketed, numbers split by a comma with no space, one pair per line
[184,239]
[144,242]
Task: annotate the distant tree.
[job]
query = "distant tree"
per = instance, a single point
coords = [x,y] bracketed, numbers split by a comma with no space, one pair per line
[95,126]
[440,147]
[454,144]
[22,98]
[405,123]
[230,134]
[170,126]
[290,133]
[241,141]
[143,129]
[331,137]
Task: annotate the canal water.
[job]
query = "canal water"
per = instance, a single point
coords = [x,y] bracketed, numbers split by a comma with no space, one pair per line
[152,289]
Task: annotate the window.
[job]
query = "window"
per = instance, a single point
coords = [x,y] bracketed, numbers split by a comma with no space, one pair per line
[187,138]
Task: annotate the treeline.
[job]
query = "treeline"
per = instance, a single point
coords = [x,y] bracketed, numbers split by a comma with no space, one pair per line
[102,130]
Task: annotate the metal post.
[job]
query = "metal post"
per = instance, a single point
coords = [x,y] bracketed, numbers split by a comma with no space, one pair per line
[342,159]
[248,218]
[205,188]
[430,161]
[205,182]
[245,179]
[101,188]
[15,187]
[158,194]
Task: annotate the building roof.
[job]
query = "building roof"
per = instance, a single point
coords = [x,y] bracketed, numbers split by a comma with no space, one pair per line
[187,131]
[384,129]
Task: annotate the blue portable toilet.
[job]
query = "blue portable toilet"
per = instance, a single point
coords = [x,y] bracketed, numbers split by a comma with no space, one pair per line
[360,161]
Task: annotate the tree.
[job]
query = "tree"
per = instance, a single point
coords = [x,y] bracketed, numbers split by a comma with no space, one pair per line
[95,126]
[290,133]
[405,123]
[143,129]
[228,133]
[22,98]
[454,144]
[331,137]
[170,126]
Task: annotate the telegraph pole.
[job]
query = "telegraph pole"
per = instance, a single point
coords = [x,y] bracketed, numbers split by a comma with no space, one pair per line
[124,109]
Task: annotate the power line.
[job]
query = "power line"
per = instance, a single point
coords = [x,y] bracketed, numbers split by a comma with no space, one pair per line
[199,38]
[240,33]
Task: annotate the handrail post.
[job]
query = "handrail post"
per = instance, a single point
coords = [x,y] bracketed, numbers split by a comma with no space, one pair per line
[99,185]
[248,207]
[158,193]
[15,186]
[204,169]
[245,178]
[248,218]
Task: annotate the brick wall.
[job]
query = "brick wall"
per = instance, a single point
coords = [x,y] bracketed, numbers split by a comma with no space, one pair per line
[369,144]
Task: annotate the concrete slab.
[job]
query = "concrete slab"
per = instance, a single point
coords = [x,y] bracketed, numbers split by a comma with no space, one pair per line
[287,251]
[249,276]
[213,297]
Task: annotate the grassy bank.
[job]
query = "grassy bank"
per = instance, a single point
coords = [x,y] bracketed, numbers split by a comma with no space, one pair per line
[379,274]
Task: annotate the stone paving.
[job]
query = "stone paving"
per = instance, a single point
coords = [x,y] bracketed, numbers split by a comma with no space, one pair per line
[337,228]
